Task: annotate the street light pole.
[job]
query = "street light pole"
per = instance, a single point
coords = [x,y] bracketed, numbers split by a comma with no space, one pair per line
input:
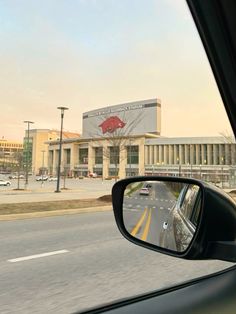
[27,154]
[60,148]
[43,151]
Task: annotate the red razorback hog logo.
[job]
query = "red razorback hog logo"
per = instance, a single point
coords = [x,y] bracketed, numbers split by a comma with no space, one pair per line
[111,124]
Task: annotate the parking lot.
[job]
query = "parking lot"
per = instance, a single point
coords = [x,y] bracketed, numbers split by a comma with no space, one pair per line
[45,191]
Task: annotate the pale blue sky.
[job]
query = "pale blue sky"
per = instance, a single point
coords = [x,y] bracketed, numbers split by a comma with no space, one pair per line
[91,53]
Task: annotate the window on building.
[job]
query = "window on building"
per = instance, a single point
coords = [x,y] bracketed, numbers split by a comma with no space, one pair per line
[67,153]
[98,155]
[83,156]
[114,155]
[132,155]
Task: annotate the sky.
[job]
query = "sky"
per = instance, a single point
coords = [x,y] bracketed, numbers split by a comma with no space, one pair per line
[87,54]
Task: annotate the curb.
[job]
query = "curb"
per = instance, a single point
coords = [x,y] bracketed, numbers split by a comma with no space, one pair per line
[52,213]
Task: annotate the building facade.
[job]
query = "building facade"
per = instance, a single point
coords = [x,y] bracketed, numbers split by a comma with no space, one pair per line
[36,151]
[112,148]
[8,154]
[125,140]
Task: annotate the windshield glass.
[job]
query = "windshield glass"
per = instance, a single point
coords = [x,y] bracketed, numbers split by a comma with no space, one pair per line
[93,92]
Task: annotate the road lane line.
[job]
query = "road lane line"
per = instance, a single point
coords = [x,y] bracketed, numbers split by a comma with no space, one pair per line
[146,229]
[138,225]
[26,258]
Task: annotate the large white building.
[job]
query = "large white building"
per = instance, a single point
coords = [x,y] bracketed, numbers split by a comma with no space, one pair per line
[112,144]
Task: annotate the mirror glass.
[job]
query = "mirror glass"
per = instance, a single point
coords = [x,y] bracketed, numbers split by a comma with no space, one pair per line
[163,213]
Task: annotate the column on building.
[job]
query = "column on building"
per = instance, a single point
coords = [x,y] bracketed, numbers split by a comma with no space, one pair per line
[171,155]
[181,154]
[146,155]
[55,160]
[186,154]
[74,155]
[209,154]
[151,155]
[192,154]
[122,164]
[142,156]
[227,154]
[155,154]
[233,151]
[50,161]
[221,155]
[215,154]
[91,157]
[106,162]
[160,155]
[198,159]
[166,154]
[175,154]
[202,154]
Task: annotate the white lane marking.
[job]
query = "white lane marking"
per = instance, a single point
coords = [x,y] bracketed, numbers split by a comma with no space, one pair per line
[25,258]
[138,206]
[161,208]
[135,198]
[153,206]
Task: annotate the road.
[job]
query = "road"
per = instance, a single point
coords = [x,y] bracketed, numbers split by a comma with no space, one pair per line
[144,215]
[70,263]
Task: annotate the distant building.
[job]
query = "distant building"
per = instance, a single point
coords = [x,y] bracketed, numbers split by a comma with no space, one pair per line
[38,147]
[8,150]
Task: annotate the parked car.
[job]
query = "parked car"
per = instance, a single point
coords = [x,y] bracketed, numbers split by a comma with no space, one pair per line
[92,175]
[42,178]
[4,182]
[14,176]
[52,179]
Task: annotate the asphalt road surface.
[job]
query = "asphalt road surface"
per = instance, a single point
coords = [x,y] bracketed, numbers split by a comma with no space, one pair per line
[71,263]
[144,215]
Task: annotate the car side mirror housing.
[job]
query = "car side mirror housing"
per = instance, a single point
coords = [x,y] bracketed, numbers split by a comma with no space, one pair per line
[181,217]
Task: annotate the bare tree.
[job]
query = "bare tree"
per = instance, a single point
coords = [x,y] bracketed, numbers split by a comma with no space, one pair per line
[118,133]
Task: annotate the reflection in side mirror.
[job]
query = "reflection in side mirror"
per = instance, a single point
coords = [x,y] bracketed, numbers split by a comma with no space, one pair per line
[163,213]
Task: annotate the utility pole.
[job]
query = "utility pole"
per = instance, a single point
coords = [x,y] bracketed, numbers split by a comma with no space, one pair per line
[43,151]
[27,154]
[60,148]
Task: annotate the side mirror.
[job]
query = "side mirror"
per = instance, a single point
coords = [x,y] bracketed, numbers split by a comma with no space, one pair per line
[177,216]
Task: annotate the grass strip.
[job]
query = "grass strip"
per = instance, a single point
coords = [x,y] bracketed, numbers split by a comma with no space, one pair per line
[134,188]
[19,208]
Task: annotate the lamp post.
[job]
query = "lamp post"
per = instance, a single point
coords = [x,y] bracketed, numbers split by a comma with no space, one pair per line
[60,147]
[27,154]
[43,151]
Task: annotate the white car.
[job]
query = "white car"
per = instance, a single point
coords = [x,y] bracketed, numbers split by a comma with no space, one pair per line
[144,191]
[4,183]
[52,179]
[42,178]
